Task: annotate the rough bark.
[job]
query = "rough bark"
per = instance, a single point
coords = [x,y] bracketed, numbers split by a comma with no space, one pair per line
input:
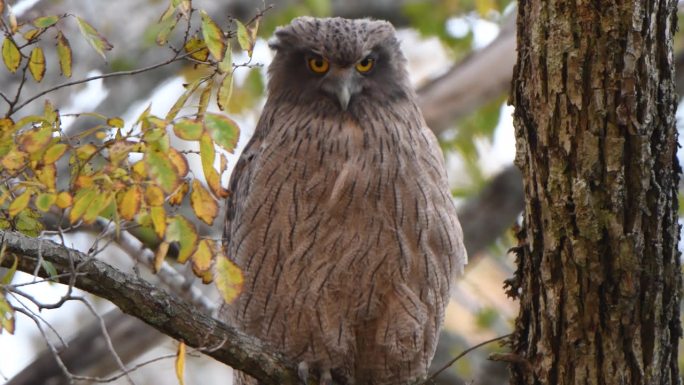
[599,271]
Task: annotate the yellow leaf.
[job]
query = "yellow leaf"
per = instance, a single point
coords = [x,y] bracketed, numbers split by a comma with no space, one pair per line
[139,170]
[197,49]
[180,363]
[37,64]
[14,160]
[45,200]
[204,99]
[97,41]
[159,255]
[64,200]
[213,37]
[19,203]
[99,203]
[228,278]
[225,91]
[35,139]
[207,155]
[81,202]
[115,122]
[130,203]
[177,196]
[165,27]
[154,196]
[6,315]
[180,102]
[188,129]
[158,216]
[10,55]
[64,54]
[247,36]
[47,175]
[182,231]
[203,203]
[179,162]
[201,259]
[54,152]
[86,151]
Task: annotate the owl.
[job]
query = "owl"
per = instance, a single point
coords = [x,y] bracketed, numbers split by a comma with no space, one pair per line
[340,216]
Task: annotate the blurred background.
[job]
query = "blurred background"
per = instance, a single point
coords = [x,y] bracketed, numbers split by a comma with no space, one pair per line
[461,54]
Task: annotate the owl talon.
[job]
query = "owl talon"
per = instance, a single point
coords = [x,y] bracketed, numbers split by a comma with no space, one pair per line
[303,372]
[326,378]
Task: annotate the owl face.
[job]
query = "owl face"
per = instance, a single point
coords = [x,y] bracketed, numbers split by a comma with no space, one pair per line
[339,63]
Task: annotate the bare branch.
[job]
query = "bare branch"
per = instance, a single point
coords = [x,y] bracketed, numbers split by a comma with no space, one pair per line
[167,313]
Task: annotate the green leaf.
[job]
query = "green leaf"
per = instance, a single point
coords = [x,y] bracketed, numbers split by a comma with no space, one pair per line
[45,200]
[37,64]
[225,91]
[64,54]
[178,105]
[207,156]
[188,129]
[10,55]
[246,37]
[166,26]
[84,197]
[213,37]
[180,230]
[45,21]
[97,206]
[223,130]
[49,268]
[27,222]
[97,41]
[54,152]
[161,170]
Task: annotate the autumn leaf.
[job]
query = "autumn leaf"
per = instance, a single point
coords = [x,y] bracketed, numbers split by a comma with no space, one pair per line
[180,102]
[10,55]
[84,197]
[35,139]
[37,64]
[213,37]
[159,255]
[224,92]
[247,36]
[165,27]
[161,170]
[188,129]
[45,21]
[99,203]
[202,257]
[6,315]
[182,231]
[207,155]
[177,196]
[64,200]
[130,203]
[203,203]
[180,363]
[54,152]
[223,130]
[179,162]
[154,196]
[64,54]
[158,216]
[97,41]
[228,278]
[47,176]
[19,203]
[197,49]
[45,200]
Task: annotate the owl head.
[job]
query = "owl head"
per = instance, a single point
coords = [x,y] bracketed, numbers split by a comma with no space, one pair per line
[338,62]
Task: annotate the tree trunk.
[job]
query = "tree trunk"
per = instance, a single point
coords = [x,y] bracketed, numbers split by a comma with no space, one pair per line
[598,266]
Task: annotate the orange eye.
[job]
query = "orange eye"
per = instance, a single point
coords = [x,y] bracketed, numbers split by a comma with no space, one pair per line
[318,65]
[365,65]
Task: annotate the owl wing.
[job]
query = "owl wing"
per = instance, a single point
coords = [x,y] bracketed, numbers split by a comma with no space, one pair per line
[240,178]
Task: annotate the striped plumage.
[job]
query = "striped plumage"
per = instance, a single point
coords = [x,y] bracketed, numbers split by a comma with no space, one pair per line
[340,215]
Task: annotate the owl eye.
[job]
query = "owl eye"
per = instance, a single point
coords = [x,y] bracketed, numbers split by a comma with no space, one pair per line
[365,65]
[318,65]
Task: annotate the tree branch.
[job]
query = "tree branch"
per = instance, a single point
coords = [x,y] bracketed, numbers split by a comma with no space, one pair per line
[166,313]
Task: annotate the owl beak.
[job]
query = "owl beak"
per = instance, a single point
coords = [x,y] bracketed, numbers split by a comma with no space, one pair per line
[343,86]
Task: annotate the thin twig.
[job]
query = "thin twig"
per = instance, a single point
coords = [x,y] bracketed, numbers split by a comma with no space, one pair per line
[103,76]
[458,357]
